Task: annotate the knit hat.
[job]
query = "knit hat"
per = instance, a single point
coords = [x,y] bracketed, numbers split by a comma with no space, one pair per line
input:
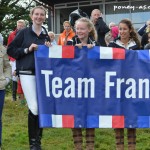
[114,31]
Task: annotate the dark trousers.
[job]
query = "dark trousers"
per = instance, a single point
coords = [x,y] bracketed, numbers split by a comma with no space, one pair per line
[2,96]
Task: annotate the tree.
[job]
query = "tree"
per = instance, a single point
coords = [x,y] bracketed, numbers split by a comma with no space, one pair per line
[10,12]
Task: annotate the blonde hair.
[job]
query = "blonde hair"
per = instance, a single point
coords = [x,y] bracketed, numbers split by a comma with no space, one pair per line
[67,23]
[90,25]
[21,21]
[51,32]
[33,9]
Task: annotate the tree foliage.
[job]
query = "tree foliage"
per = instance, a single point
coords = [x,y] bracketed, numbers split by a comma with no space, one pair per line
[10,12]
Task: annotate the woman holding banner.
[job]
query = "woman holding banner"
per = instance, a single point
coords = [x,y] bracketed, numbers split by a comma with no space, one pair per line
[22,49]
[128,39]
[85,36]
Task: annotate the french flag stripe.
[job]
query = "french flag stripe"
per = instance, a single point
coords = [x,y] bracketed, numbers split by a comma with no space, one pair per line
[67,121]
[106,53]
[68,51]
[118,122]
[143,121]
[105,121]
[55,51]
[57,121]
[92,121]
[144,54]
[118,53]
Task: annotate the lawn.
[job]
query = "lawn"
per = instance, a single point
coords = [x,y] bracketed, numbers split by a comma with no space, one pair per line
[15,133]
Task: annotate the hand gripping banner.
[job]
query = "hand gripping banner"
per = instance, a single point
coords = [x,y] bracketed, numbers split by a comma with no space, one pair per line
[93,88]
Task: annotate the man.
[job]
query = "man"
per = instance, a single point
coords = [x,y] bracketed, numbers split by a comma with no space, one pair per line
[100,26]
[20,25]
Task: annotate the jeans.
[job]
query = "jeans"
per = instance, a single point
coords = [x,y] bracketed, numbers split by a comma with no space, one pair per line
[2,96]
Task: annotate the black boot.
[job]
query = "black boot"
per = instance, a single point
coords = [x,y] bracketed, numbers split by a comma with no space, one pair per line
[35,133]
[14,90]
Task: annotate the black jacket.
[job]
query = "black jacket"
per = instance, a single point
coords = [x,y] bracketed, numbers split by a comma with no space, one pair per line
[75,40]
[115,45]
[23,40]
[101,29]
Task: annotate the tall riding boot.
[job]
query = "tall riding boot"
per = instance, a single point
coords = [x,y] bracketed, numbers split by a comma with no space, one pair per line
[77,137]
[131,133]
[35,133]
[90,135]
[119,139]
[14,90]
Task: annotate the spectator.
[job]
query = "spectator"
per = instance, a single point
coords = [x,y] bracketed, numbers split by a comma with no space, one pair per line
[20,25]
[5,76]
[52,37]
[22,49]
[100,26]
[67,34]
[147,46]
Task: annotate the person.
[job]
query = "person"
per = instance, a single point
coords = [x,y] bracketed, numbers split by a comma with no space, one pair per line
[100,25]
[85,36]
[67,34]
[128,39]
[111,24]
[5,76]
[147,46]
[20,25]
[52,38]
[22,49]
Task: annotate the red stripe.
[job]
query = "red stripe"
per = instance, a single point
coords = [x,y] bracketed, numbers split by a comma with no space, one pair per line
[67,121]
[117,121]
[67,51]
[118,53]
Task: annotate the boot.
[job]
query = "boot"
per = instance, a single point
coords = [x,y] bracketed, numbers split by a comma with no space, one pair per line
[131,133]
[119,139]
[90,134]
[35,133]
[14,90]
[77,137]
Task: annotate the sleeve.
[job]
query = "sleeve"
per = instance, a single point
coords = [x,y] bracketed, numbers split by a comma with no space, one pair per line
[7,67]
[59,40]
[15,48]
[142,30]
[144,40]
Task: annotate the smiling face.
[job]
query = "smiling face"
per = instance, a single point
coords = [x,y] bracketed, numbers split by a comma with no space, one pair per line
[82,30]
[124,31]
[38,16]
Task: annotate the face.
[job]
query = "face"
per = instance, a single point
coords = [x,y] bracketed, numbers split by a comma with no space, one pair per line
[67,27]
[95,15]
[124,31]
[51,36]
[82,30]
[38,16]
[20,26]
[148,24]
[149,37]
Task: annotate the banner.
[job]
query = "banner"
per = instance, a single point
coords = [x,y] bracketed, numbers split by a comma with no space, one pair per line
[101,87]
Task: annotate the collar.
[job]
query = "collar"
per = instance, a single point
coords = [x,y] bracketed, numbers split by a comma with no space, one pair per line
[130,44]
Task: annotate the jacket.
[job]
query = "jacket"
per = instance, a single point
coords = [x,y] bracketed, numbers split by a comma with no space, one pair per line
[62,36]
[5,68]
[101,29]
[118,44]
[25,62]
[10,39]
[75,40]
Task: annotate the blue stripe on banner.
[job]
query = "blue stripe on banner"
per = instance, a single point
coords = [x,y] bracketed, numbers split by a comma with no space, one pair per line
[143,54]
[45,120]
[143,121]
[42,51]
[92,121]
[94,53]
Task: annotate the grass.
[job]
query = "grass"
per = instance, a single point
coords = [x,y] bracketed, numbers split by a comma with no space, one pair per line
[15,135]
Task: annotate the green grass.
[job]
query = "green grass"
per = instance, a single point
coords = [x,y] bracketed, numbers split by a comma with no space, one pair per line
[15,135]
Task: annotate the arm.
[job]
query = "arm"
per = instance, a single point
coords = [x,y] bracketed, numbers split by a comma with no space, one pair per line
[141,30]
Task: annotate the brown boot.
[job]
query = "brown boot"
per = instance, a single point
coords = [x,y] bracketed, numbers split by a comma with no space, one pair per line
[90,134]
[131,133]
[77,137]
[119,139]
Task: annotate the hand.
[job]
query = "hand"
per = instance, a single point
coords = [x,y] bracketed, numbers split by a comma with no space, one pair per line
[33,47]
[48,44]
[79,45]
[90,45]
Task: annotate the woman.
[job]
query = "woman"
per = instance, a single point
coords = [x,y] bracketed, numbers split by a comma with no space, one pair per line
[129,40]
[67,34]
[22,49]
[5,76]
[85,36]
